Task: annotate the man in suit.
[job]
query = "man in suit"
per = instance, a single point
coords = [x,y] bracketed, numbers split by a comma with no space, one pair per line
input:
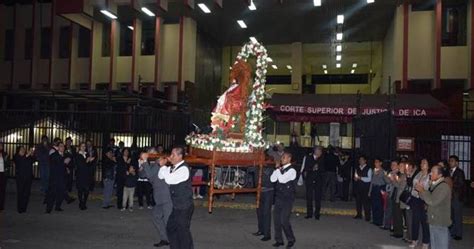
[178,177]
[457,176]
[285,179]
[313,166]
[92,152]
[57,179]
[163,205]
[264,211]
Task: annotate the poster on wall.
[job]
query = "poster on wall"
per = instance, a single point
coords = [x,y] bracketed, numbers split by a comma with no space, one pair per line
[459,146]
[405,144]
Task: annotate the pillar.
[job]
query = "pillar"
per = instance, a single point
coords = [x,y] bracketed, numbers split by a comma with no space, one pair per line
[35,54]
[406,14]
[158,29]
[438,20]
[297,66]
[136,51]
[96,50]
[18,50]
[114,51]
[471,30]
[74,43]
[54,47]
[180,54]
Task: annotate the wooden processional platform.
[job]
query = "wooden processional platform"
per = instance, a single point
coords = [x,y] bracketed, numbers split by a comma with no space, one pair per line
[213,159]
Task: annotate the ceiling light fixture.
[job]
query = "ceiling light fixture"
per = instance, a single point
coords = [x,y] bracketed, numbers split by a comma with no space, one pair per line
[252,6]
[242,24]
[269,59]
[325,66]
[317,3]
[340,19]
[289,67]
[147,11]
[253,39]
[353,71]
[339,36]
[274,67]
[130,27]
[338,57]
[108,14]
[325,71]
[339,48]
[338,65]
[354,65]
[370,1]
[204,8]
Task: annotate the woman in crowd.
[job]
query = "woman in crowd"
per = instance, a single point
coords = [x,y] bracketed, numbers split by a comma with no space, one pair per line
[411,171]
[123,163]
[418,207]
[399,181]
[24,176]
[83,167]
[376,186]
[390,192]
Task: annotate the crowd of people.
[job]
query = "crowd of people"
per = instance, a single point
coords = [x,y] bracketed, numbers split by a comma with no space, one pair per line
[420,203]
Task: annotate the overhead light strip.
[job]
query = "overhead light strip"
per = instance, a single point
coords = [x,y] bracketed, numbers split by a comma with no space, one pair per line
[317,3]
[242,24]
[204,8]
[147,11]
[108,14]
[252,6]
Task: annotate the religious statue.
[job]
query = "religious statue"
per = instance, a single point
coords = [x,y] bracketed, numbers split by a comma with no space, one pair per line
[232,104]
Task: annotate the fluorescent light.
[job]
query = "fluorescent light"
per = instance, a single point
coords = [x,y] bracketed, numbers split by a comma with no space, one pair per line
[269,59]
[325,66]
[339,36]
[252,5]
[353,71]
[325,71]
[340,19]
[289,67]
[354,65]
[274,66]
[317,3]
[130,27]
[253,39]
[108,14]
[204,8]
[338,48]
[370,1]
[338,65]
[242,24]
[147,11]
[338,57]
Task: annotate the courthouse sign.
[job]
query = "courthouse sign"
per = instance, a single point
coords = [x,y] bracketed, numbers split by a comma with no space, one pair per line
[351,111]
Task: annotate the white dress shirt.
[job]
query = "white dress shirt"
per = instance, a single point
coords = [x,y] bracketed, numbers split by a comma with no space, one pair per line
[368,178]
[2,164]
[174,176]
[289,175]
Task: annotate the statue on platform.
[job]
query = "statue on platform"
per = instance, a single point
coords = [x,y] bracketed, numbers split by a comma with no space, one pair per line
[232,104]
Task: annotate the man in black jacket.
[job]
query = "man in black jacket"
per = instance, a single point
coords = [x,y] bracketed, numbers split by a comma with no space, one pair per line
[57,179]
[331,163]
[457,199]
[313,166]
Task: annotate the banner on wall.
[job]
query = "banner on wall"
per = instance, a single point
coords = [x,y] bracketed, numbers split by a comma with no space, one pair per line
[352,111]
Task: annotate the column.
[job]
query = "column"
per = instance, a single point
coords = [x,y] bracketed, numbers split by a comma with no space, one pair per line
[114,51]
[54,47]
[406,14]
[74,43]
[18,50]
[96,50]
[35,54]
[471,25]
[136,51]
[438,20]
[180,54]
[297,65]
[158,29]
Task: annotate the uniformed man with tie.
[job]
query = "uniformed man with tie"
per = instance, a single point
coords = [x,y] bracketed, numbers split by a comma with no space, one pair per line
[285,188]
[178,177]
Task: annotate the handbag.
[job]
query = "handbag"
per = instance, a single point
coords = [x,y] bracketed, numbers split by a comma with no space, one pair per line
[406,196]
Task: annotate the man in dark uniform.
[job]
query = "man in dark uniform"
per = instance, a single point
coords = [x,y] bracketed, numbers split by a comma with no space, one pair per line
[57,180]
[264,212]
[362,179]
[178,177]
[285,189]
[457,176]
[69,153]
[313,166]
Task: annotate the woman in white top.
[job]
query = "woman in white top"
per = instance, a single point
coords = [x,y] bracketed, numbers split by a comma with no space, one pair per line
[418,206]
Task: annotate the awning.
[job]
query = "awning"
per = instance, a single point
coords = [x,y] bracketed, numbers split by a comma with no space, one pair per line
[343,107]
